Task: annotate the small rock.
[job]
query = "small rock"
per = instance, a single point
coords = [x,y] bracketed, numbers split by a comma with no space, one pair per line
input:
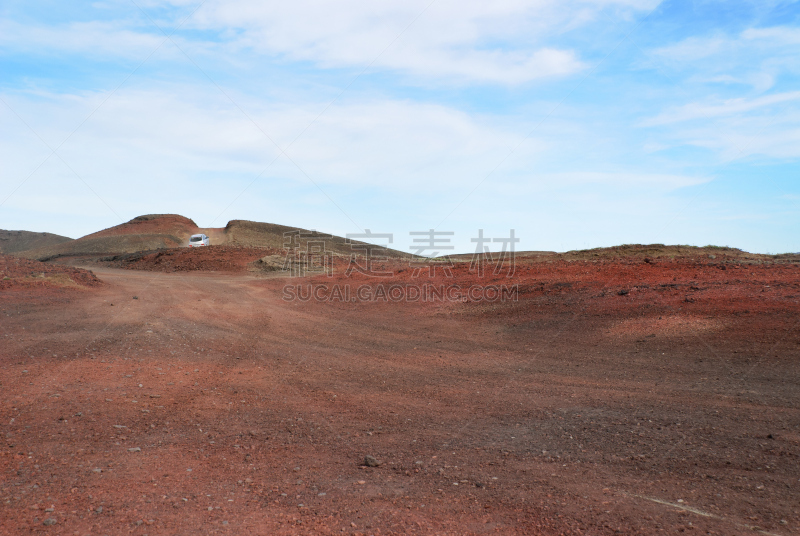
[99,509]
[136,297]
[135,449]
[49,521]
[371,461]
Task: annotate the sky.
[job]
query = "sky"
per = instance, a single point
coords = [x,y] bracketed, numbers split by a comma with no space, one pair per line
[574,123]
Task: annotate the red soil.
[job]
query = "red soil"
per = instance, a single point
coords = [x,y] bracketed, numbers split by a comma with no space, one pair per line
[611,398]
[204,259]
[17,273]
[606,286]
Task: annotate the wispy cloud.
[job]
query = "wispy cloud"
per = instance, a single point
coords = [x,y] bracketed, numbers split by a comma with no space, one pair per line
[93,38]
[466,41]
[727,108]
[736,95]
[459,42]
[782,35]
[644,180]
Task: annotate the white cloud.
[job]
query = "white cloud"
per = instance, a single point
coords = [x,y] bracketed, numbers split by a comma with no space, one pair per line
[729,107]
[733,134]
[756,57]
[759,81]
[775,136]
[643,180]
[693,49]
[495,42]
[98,39]
[185,132]
[725,115]
[186,149]
[782,35]
[743,47]
[461,41]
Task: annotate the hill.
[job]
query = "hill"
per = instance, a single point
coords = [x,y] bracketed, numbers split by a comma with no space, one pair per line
[173,225]
[155,232]
[646,253]
[12,242]
[269,235]
[164,231]
[143,233]
[651,252]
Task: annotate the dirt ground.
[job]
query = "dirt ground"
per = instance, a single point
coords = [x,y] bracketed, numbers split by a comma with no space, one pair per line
[621,396]
[17,273]
[214,259]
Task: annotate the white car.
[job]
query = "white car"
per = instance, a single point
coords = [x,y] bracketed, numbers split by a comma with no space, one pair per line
[198,240]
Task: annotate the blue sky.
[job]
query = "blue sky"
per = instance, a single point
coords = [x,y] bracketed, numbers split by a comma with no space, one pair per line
[577,123]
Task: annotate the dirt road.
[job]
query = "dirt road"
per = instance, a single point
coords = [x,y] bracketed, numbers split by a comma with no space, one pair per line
[205,403]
